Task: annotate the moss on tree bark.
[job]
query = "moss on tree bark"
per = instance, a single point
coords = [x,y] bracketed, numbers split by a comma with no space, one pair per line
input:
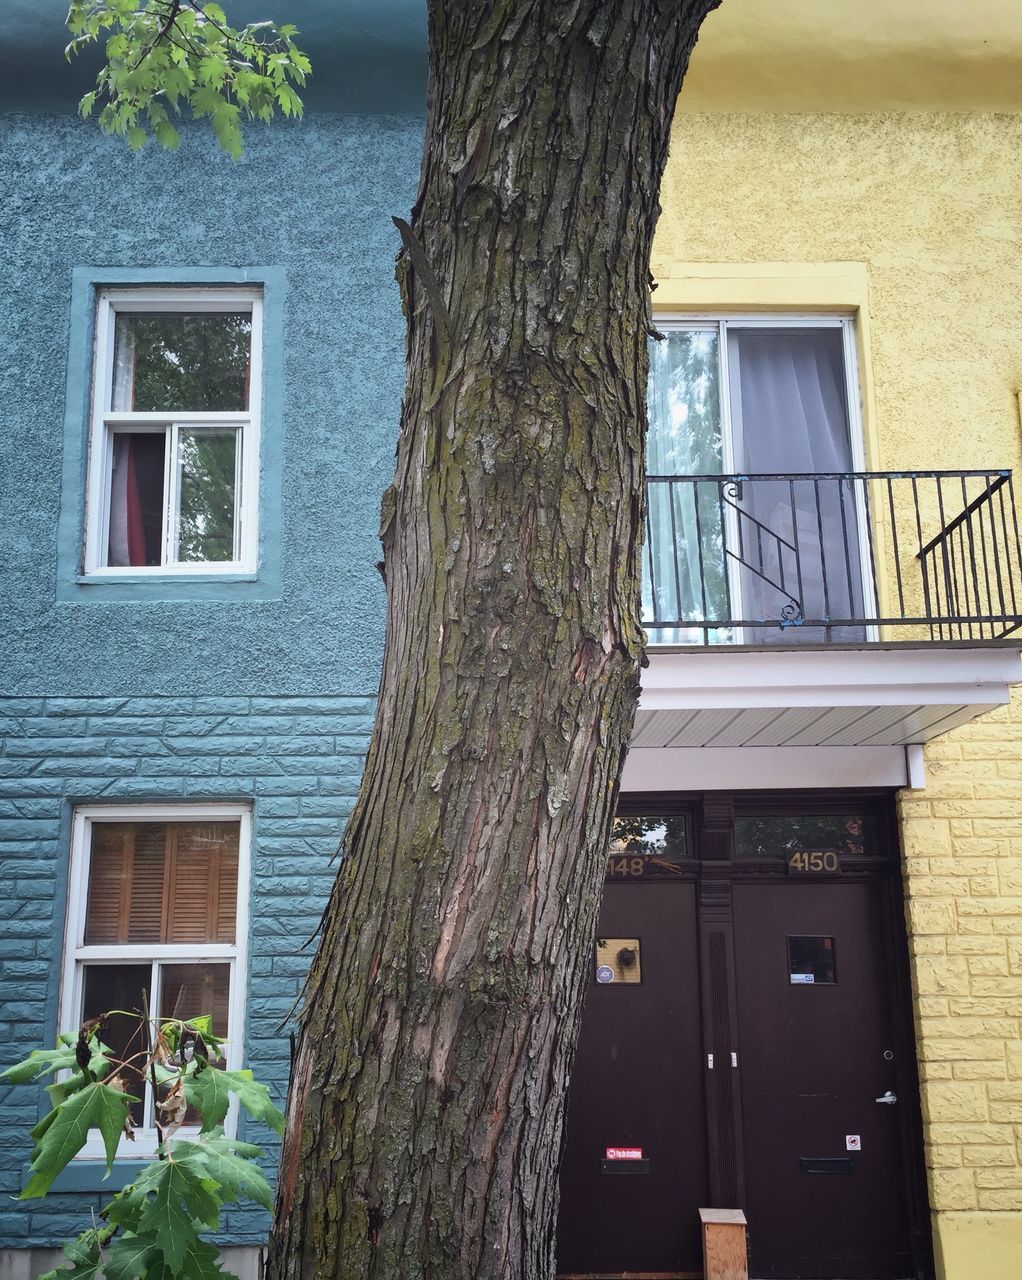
[427,1096]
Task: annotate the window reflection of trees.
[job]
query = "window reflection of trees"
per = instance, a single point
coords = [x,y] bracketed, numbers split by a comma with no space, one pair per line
[188,361]
[686,551]
[206,523]
[776,837]
[663,842]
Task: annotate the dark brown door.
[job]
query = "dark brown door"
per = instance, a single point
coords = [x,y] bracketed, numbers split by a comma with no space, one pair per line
[825,1178]
[637,1088]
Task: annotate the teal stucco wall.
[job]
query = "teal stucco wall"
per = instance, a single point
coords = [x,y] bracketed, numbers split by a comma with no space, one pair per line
[313,201]
[223,692]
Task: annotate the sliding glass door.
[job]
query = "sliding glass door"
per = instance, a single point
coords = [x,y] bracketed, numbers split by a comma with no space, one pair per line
[778,544]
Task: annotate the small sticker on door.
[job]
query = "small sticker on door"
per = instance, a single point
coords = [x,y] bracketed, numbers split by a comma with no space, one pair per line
[604,973]
[803,977]
[853,1142]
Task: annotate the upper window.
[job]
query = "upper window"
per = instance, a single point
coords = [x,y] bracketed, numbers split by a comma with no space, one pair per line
[156,920]
[174,447]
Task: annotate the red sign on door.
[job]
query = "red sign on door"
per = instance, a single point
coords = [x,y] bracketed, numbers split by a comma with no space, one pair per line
[624,1153]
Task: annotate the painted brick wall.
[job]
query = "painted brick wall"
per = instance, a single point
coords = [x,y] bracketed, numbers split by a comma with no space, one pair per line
[963,847]
[297,759]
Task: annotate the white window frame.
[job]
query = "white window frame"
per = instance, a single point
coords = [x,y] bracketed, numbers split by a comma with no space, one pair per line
[106,422]
[77,954]
[720,322]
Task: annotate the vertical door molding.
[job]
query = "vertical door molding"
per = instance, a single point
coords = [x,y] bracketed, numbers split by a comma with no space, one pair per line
[719,1003]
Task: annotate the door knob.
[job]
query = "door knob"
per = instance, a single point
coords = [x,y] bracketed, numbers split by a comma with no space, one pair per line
[888,1098]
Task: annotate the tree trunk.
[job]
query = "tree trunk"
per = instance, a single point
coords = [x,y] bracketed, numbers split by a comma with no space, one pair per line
[427,1096]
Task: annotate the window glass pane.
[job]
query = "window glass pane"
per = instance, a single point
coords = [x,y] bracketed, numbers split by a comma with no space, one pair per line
[195,990]
[137,498]
[685,574]
[684,404]
[162,882]
[811,962]
[127,987]
[854,834]
[191,991]
[181,360]
[208,496]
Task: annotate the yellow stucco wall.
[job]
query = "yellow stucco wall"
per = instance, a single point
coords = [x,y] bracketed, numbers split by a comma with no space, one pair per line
[854,55]
[925,210]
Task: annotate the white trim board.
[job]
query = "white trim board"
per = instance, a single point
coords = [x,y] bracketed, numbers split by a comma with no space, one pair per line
[768,768]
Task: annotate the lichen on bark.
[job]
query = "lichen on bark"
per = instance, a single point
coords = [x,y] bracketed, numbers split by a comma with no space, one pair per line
[427,1096]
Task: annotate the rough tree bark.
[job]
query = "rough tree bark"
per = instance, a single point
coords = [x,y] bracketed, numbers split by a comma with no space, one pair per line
[427,1096]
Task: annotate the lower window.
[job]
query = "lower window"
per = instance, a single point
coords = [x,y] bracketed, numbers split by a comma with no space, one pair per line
[156,920]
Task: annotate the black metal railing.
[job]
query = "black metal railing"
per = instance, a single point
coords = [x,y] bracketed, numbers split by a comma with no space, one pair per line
[831,557]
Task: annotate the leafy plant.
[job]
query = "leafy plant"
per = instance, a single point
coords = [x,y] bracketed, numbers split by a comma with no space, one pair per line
[150,1229]
[162,55]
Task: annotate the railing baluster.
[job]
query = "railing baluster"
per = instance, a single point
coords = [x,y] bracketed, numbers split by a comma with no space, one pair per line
[945,542]
[988,610]
[894,543]
[823,554]
[870,541]
[678,607]
[795,543]
[725,568]
[699,545]
[921,554]
[1018,543]
[848,555]
[657,622]
[967,526]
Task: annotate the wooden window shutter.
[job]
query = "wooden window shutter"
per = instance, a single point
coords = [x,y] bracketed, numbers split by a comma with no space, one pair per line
[162,882]
[109,883]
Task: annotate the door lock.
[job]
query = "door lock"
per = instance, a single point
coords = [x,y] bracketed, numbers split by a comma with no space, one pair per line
[888,1098]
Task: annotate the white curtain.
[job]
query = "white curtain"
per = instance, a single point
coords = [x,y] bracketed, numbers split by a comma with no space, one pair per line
[789,415]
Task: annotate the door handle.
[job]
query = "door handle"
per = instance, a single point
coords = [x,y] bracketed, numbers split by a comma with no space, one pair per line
[888,1098]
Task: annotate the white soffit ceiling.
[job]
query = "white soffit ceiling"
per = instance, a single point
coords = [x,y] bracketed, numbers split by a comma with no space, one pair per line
[818,697]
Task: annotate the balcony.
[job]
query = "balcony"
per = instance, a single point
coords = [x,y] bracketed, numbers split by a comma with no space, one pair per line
[836,557]
[840,619]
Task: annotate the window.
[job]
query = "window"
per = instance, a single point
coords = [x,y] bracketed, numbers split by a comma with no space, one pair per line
[157,916]
[174,447]
[754,515]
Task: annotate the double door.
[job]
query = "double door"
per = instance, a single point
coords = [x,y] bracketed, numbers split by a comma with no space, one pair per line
[746,1054]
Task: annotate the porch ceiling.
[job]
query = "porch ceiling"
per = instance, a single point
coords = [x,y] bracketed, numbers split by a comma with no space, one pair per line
[824,697]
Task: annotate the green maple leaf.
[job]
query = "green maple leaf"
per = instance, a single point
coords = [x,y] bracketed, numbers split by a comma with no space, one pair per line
[86,1255]
[209,1090]
[229,1164]
[39,1063]
[44,1062]
[58,1141]
[129,1256]
[202,1261]
[164,1202]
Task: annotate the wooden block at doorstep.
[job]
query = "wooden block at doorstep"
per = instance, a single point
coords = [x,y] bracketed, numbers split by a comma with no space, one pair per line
[725,1250]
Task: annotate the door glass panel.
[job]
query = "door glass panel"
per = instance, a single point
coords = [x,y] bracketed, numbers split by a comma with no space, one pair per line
[685,575]
[648,847]
[811,961]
